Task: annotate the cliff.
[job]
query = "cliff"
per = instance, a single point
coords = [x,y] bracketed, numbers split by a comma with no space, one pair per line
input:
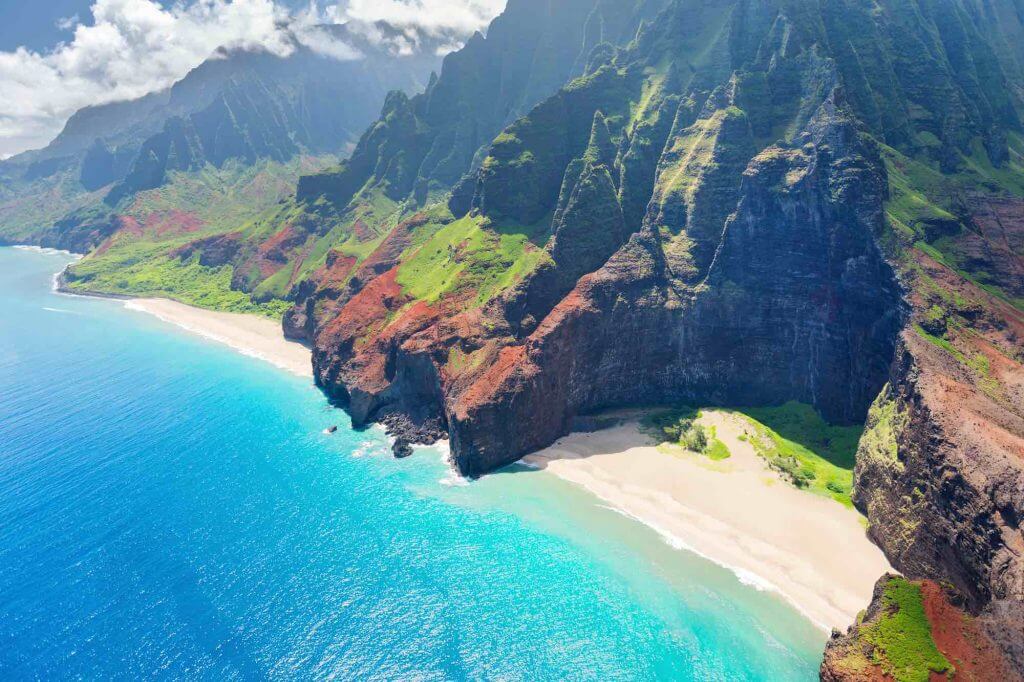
[751,202]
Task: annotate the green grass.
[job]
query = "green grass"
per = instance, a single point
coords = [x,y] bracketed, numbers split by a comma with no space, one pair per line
[916,191]
[162,277]
[226,198]
[902,637]
[468,255]
[885,423]
[234,198]
[977,363]
[922,205]
[693,154]
[717,450]
[811,453]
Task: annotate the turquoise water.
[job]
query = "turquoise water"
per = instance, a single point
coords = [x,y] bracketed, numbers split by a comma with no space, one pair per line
[170,509]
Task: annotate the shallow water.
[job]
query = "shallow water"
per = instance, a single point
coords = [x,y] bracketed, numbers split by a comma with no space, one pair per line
[171,509]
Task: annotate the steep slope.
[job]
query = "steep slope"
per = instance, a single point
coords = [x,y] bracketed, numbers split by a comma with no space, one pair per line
[752,202]
[421,146]
[916,631]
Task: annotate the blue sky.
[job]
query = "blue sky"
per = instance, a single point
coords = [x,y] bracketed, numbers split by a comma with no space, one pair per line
[34,24]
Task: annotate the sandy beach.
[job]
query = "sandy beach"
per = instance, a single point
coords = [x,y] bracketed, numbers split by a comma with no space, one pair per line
[736,512]
[251,335]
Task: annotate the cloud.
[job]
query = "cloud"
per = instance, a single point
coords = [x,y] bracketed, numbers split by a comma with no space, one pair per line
[135,47]
[433,16]
[67,23]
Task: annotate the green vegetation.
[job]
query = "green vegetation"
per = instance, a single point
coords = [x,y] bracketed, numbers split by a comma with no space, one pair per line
[940,342]
[807,450]
[978,364]
[226,198]
[28,212]
[916,191]
[355,232]
[902,636]
[884,424]
[678,427]
[192,206]
[717,450]
[924,204]
[693,153]
[468,256]
[163,277]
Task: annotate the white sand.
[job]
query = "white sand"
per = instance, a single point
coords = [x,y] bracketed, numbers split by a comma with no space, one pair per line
[737,513]
[257,337]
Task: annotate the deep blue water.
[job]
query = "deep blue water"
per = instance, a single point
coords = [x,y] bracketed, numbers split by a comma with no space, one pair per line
[169,509]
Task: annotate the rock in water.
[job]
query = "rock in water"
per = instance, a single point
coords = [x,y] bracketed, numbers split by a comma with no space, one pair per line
[402,449]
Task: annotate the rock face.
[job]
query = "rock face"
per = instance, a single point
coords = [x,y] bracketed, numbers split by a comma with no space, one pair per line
[751,202]
[940,470]
[943,481]
[780,312]
[752,276]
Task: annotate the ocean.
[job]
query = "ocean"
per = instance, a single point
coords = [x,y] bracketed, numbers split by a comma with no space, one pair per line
[170,509]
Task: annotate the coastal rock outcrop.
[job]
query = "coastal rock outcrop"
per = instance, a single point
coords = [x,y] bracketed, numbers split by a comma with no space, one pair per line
[797,282]
[917,630]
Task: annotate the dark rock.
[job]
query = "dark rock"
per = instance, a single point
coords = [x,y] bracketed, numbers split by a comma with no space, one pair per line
[402,449]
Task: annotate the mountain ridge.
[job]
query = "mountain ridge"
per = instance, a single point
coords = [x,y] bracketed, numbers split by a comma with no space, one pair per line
[241,104]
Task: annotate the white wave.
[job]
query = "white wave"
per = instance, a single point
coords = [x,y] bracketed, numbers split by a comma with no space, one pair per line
[454,480]
[443,448]
[369,448]
[47,250]
[210,336]
[745,576]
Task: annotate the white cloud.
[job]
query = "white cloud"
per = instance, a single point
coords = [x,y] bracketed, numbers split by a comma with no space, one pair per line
[67,23]
[434,16]
[134,47]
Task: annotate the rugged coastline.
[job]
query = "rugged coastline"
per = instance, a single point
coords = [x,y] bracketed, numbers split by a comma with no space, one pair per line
[738,203]
[625,473]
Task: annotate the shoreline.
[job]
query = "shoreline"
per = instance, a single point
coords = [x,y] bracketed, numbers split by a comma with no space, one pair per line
[253,336]
[632,476]
[256,337]
[738,513]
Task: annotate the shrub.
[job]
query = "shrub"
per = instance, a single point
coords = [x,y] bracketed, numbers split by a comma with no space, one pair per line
[696,438]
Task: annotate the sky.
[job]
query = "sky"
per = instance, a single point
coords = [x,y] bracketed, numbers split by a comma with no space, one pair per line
[57,56]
